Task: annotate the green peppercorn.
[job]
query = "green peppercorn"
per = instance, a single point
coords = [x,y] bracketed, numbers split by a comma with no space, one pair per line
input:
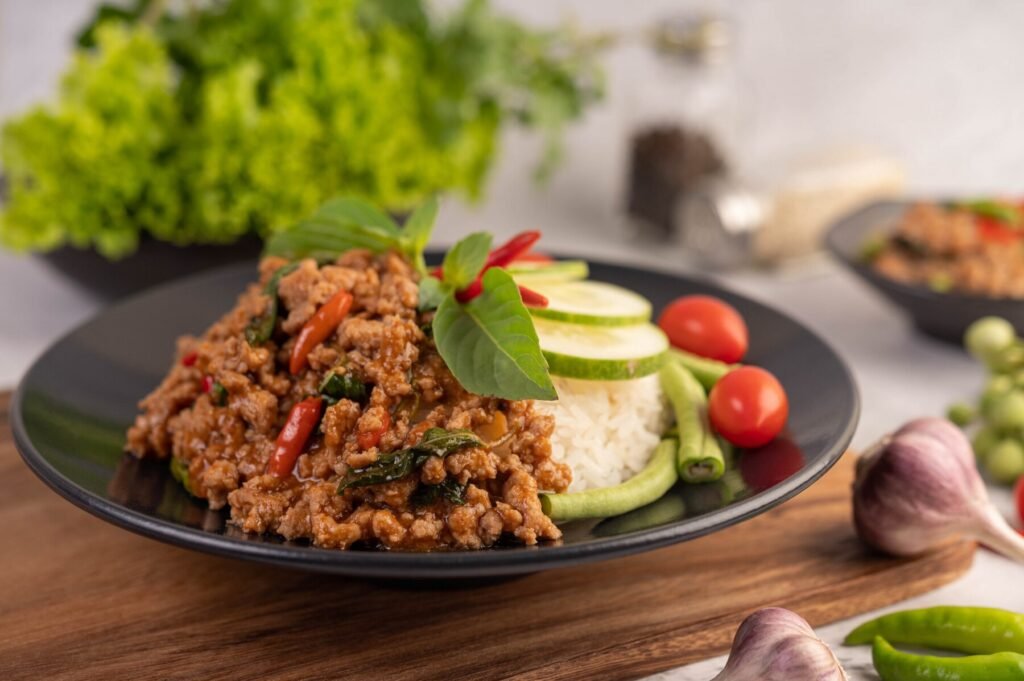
[989,336]
[961,413]
[1005,462]
[1007,413]
[985,441]
[995,388]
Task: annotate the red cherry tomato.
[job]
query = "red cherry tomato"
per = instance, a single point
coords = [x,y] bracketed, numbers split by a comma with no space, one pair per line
[767,466]
[1018,494]
[748,407]
[705,326]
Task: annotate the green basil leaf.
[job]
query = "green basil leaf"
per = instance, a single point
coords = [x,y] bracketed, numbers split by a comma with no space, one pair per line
[387,468]
[432,292]
[397,465]
[449,489]
[343,387]
[489,343]
[465,259]
[260,329]
[324,239]
[348,210]
[416,232]
[179,471]
[441,442]
[996,210]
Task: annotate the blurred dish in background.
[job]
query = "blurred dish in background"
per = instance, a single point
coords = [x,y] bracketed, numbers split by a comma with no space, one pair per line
[974,247]
[940,311]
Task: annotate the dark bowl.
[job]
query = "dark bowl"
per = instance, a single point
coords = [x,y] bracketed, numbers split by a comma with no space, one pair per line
[155,262]
[941,315]
[74,404]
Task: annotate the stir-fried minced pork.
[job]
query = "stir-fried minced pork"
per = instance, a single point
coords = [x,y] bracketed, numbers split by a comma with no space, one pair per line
[226,435]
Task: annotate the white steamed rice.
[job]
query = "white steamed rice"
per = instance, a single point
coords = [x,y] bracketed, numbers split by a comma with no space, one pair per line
[606,430]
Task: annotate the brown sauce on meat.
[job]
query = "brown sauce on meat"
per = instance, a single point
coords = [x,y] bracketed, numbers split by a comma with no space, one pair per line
[381,343]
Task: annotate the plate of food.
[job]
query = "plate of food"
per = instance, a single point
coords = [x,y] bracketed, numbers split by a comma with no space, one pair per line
[945,263]
[345,407]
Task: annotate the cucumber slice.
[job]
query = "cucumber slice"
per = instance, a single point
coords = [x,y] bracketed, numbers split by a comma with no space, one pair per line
[602,353]
[593,303]
[562,270]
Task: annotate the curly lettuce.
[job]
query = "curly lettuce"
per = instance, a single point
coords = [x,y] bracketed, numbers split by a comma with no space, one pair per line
[245,115]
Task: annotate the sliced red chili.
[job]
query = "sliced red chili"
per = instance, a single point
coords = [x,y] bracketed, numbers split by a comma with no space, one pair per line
[499,257]
[319,328]
[207,384]
[531,298]
[534,256]
[996,231]
[371,438]
[189,359]
[301,422]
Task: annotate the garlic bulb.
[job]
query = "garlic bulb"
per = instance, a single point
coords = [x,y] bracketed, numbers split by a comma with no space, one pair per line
[775,644]
[919,487]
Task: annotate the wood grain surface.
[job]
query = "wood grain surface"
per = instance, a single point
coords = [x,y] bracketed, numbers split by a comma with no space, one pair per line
[81,599]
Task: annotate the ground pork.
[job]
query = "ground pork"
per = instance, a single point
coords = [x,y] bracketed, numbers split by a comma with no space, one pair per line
[226,439]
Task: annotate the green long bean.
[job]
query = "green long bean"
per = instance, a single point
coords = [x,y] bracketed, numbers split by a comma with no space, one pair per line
[650,484]
[700,457]
[707,371]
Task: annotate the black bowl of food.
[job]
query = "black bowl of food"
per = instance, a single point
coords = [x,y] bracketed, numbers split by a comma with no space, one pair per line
[946,264]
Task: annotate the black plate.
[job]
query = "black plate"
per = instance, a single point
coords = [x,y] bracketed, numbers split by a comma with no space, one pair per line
[73,406]
[941,315]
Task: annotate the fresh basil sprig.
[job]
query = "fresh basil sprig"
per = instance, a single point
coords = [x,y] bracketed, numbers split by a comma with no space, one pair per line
[345,223]
[489,343]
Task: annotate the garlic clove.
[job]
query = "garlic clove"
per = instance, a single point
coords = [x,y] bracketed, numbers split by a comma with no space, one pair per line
[919,488]
[775,644]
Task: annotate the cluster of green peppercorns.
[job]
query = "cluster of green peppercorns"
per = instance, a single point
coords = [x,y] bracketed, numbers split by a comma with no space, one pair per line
[999,415]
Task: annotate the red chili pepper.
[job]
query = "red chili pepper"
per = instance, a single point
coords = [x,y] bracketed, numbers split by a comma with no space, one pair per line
[302,419]
[531,298]
[371,438]
[534,256]
[319,328]
[499,257]
[189,359]
[207,384]
[997,232]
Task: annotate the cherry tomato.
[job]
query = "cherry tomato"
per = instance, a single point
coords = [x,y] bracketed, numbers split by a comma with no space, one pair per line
[1018,494]
[748,407]
[767,466]
[705,326]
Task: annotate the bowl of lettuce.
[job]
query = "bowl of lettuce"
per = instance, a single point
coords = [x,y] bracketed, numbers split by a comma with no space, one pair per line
[183,133]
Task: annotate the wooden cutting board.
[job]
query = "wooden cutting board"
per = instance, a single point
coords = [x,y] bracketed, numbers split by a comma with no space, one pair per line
[81,599]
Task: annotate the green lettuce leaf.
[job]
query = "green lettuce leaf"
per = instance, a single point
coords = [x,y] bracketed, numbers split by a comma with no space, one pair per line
[489,343]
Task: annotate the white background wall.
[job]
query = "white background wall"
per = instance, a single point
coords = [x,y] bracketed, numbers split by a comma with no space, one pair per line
[939,84]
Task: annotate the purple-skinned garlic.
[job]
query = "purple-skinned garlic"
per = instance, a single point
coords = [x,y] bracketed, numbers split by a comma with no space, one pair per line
[775,644]
[919,488]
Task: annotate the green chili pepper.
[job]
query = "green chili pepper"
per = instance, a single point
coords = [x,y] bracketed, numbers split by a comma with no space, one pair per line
[961,629]
[893,665]
[261,328]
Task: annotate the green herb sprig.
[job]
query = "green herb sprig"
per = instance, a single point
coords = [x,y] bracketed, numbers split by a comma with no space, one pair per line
[489,343]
